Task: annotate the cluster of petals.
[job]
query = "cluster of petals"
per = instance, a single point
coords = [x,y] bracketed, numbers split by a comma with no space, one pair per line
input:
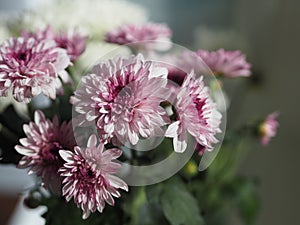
[44,139]
[184,62]
[143,36]
[268,128]
[89,176]
[122,98]
[196,114]
[71,40]
[30,67]
[226,63]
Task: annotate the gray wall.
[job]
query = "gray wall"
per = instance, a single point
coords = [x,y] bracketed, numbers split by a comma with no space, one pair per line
[274,30]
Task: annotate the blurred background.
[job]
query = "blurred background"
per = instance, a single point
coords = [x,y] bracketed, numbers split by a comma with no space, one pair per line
[268,32]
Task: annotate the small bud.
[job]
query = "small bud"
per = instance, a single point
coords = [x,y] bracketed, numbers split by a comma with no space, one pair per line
[190,169]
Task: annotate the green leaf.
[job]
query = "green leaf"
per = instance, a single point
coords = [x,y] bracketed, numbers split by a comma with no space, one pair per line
[153,192]
[248,202]
[134,203]
[179,206]
[150,214]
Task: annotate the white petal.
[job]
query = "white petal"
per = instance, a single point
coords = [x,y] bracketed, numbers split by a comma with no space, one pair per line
[92,142]
[172,129]
[38,117]
[117,182]
[180,143]
[24,151]
[65,77]
[86,214]
[66,155]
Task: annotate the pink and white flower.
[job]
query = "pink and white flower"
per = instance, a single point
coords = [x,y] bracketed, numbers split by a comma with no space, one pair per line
[226,63]
[41,148]
[138,35]
[89,176]
[71,40]
[196,114]
[30,67]
[268,128]
[123,96]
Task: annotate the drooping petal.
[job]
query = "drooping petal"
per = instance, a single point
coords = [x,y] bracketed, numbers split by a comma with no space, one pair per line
[172,129]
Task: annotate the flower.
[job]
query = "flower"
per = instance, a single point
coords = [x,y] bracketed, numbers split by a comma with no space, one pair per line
[71,40]
[41,148]
[39,34]
[138,35]
[268,128]
[196,114]
[123,97]
[88,176]
[30,67]
[180,63]
[90,16]
[227,63]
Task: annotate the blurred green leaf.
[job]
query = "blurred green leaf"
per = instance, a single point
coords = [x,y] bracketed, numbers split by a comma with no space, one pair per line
[134,202]
[153,193]
[60,212]
[179,206]
[150,214]
[248,202]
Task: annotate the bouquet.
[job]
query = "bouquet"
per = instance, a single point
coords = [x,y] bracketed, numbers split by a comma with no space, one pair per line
[120,125]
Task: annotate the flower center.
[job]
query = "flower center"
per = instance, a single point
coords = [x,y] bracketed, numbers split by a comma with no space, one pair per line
[90,173]
[22,56]
[117,83]
[199,106]
[116,91]
[51,152]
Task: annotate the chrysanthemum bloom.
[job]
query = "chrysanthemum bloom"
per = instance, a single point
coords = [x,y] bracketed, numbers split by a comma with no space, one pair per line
[180,64]
[268,128]
[91,17]
[196,114]
[226,63]
[72,41]
[122,97]
[138,35]
[41,148]
[30,67]
[89,176]
[39,34]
